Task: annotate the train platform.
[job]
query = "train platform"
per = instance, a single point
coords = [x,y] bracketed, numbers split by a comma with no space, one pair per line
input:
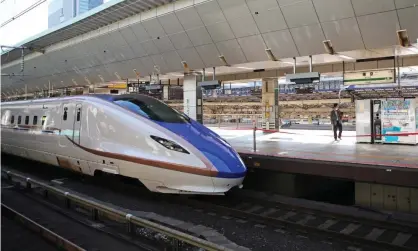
[314,152]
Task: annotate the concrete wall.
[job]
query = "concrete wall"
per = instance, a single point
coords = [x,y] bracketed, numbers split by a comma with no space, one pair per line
[385,197]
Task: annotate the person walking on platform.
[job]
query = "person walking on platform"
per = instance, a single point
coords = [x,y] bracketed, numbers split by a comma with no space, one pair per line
[336,122]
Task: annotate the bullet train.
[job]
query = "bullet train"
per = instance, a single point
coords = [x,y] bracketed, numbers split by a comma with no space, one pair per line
[130,135]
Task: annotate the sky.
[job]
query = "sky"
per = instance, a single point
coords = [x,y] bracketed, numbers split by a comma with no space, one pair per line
[26,25]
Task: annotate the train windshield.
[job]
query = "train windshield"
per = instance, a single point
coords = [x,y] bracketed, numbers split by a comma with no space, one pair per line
[152,109]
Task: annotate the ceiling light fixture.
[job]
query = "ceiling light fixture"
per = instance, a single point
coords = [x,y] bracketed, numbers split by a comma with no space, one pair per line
[118,76]
[176,74]
[185,66]
[101,78]
[403,38]
[328,47]
[136,73]
[284,62]
[223,60]
[243,67]
[271,55]
[330,50]
[345,57]
[87,80]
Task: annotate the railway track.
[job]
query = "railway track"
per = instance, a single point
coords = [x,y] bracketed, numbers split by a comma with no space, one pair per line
[110,227]
[64,227]
[381,235]
[364,232]
[46,234]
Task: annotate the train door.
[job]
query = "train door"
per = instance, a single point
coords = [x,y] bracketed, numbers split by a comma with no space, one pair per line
[77,123]
[67,124]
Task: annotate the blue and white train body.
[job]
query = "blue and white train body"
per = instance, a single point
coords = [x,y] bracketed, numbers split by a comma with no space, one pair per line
[130,135]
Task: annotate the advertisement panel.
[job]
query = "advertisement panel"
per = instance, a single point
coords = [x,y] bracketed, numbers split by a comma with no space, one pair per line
[398,116]
[416,119]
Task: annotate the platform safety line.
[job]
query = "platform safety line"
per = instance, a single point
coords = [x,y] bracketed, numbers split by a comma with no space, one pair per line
[333,160]
[388,157]
[322,135]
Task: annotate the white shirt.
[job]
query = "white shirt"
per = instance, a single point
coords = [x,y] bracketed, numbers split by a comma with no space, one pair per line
[336,113]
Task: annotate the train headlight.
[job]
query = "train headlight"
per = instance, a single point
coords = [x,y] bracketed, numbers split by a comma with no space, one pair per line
[169,144]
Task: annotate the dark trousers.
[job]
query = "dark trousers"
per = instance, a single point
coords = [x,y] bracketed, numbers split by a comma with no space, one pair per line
[338,126]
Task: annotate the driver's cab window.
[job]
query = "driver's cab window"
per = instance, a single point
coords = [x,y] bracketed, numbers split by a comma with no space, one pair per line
[152,109]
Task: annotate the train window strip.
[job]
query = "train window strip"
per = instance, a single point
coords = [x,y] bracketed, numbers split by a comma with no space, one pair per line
[19,120]
[12,120]
[35,120]
[27,120]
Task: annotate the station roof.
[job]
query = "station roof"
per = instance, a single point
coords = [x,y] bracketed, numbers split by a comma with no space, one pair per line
[200,31]
[103,15]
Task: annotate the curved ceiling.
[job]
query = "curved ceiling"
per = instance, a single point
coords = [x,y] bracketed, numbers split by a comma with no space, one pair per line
[199,31]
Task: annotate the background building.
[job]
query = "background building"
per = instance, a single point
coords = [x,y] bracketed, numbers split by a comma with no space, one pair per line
[86,5]
[60,11]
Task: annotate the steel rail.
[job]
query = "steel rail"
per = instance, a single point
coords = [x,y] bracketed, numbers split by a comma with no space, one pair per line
[128,219]
[45,233]
[264,216]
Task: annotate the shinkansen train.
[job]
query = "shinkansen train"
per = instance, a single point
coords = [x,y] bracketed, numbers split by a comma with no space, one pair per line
[130,135]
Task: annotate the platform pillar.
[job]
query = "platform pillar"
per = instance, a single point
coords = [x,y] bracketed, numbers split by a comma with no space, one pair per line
[85,90]
[192,97]
[165,92]
[269,99]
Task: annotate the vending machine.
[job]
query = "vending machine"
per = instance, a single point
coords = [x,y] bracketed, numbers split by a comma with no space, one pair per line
[389,120]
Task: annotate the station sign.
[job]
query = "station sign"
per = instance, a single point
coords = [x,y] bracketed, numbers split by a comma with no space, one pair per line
[136,87]
[366,77]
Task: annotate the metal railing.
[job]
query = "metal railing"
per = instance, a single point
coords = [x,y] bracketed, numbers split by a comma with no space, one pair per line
[130,220]
[233,121]
[247,121]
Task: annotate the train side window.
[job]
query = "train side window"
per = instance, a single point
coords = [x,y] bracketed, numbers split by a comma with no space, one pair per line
[27,120]
[64,117]
[78,114]
[35,120]
[12,120]
[19,120]
[43,120]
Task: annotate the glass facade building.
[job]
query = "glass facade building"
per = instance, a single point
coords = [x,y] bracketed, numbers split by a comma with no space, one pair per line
[86,5]
[60,11]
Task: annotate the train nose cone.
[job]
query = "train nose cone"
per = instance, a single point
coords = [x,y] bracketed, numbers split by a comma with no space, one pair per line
[225,159]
